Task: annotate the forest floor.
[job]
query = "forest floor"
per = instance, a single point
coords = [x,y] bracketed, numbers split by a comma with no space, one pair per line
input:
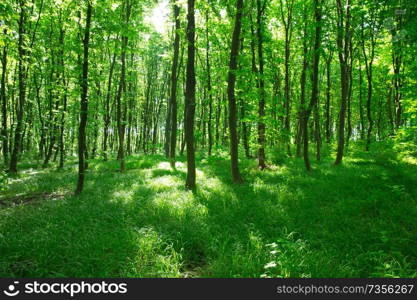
[355,220]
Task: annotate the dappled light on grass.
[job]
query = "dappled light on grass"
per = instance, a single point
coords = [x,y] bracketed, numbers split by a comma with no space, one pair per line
[167,166]
[165,182]
[356,220]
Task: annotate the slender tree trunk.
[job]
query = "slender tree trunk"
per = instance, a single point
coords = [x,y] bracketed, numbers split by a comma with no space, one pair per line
[369,70]
[389,111]
[361,113]
[190,98]
[174,83]
[83,103]
[4,133]
[231,81]
[328,99]
[287,21]
[261,107]
[397,63]
[121,112]
[343,37]
[209,90]
[107,108]
[62,130]
[314,91]
[22,87]
[317,130]
[302,89]
[218,115]
[349,97]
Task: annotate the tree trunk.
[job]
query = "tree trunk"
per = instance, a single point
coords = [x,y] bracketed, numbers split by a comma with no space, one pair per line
[209,91]
[83,104]
[343,37]
[190,98]
[315,76]
[261,107]
[361,114]
[22,87]
[328,99]
[4,133]
[287,21]
[231,81]
[174,83]
[302,88]
[121,115]
[107,108]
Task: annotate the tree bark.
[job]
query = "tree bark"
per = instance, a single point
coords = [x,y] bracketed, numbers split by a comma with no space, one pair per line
[209,90]
[174,83]
[106,116]
[190,98]
[83,103]
[231,81]
[4,133]
[22,87]
[343,37]
[261,107]
[287,21]
[121,115]
[328,99]
[314,91]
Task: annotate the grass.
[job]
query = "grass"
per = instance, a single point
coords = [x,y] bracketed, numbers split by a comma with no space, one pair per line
[355,220]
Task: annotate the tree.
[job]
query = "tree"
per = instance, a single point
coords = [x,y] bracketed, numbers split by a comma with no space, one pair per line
[174,76]
[190,97]
[121,111]
[231,81]
[369,60]
[343,39]
[4,131]
[22,86]
[261,107]
[314,91]
[286,18]
[84,102]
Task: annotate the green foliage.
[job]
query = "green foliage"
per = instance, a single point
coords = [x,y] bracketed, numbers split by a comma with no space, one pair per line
[3,181]
[406,141]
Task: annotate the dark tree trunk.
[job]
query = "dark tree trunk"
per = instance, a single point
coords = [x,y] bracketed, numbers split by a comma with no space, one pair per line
[389,111]
[397,62]
[64,104]
[328,99]
[22,87]
[261,107]
[107,108]
[121,111]
[190,98]
[361,114]
[315,76]
[369,70]
[287,21]
[174,83]
[83,103]
[302,87]
[231,81]
[4,133]
[349,97]
[209,91]
[343,37]
[218,115]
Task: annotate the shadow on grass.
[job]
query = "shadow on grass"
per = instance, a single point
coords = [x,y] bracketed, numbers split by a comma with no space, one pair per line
[356,221]
[349,221]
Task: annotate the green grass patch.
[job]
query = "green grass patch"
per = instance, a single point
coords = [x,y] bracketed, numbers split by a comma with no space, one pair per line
[355,220]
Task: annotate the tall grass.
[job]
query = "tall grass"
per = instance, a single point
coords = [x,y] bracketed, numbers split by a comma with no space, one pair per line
[355,220]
